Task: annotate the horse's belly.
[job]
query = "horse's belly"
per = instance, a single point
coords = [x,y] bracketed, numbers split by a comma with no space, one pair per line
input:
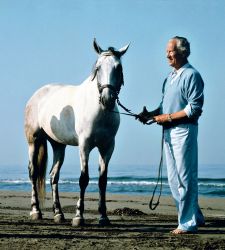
[58,133]
[61,131]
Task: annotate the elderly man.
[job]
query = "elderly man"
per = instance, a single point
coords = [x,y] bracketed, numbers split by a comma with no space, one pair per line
[178,113]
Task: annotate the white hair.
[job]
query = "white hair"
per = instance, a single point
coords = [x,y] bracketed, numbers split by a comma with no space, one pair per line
[183,46]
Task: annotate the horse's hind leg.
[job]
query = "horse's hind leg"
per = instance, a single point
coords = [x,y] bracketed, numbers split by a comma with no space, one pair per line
[58,158]
[33,149]
[104,157]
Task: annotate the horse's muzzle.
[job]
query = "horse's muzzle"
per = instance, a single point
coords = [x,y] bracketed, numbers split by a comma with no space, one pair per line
[108,99]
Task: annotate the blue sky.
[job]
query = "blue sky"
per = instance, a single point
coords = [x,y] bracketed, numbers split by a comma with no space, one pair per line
[48,41]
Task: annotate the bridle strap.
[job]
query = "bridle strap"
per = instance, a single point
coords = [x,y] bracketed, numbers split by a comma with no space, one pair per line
[101,87]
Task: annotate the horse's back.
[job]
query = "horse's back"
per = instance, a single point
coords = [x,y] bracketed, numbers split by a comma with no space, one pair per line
[42,93]
[50,109]
[31,111]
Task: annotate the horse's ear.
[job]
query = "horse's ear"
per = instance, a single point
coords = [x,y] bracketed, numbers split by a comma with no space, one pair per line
[97,47]
[123,50]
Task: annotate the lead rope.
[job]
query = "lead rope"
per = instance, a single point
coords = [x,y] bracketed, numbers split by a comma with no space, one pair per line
[129,112]
[152,205]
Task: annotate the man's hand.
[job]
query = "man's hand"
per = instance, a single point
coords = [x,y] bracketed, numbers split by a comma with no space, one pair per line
[143,116]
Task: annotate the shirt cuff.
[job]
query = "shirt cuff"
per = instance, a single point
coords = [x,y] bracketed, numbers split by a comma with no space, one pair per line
[187,110]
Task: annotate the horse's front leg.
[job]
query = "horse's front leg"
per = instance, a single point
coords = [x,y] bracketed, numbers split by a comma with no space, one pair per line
[78,220]
[104,157]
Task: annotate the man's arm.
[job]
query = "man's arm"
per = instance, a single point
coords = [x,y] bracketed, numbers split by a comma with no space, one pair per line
[195,98]
[165,118]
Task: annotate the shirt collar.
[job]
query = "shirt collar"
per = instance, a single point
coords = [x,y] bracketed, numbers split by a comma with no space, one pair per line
[176,73]
[180,70]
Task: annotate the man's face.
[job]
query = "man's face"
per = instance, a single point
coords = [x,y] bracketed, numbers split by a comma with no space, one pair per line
[175,60]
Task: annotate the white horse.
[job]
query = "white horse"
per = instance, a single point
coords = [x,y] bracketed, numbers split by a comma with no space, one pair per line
[84,115]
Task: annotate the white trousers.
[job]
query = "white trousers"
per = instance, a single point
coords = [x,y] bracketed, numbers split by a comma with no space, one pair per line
[181,150]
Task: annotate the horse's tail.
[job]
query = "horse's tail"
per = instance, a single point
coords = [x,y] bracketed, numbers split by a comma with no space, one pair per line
[42,158]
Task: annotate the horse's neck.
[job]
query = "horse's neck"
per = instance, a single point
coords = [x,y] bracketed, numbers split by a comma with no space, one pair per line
[88,81]
[89,91]
[90,85]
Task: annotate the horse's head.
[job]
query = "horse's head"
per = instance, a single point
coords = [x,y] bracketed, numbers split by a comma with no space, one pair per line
[108,72]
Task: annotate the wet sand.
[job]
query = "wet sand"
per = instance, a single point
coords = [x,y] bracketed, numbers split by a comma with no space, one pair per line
[134,225]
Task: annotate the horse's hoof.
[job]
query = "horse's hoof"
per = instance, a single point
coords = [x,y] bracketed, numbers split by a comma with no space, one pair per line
[59,218]
[77,222]
[36,215]
[104,221]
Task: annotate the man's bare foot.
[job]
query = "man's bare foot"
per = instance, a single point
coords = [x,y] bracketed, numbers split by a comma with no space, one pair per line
[180,231]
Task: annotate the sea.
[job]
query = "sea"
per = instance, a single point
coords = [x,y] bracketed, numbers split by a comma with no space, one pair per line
[122,179]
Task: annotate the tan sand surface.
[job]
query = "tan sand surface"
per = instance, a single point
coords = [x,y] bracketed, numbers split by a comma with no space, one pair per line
[134,225]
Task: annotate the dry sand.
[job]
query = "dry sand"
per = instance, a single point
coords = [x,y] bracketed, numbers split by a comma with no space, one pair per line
[134,226]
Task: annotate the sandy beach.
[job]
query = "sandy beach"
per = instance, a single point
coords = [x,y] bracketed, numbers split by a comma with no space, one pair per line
[133,226]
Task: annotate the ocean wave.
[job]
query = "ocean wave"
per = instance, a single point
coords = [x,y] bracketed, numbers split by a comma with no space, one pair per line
[222,185]
[14,181]
[116,182]
[135,183]
[120,181]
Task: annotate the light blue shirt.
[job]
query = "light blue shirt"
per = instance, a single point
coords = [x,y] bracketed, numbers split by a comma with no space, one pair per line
[183,90]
